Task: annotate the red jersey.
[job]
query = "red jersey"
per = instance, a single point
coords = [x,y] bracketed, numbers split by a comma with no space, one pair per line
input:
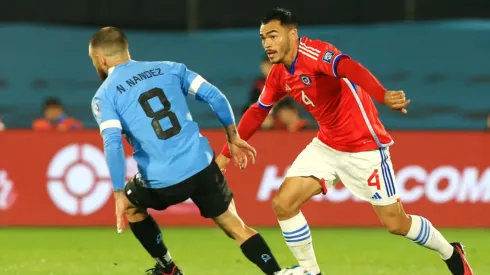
[334,89]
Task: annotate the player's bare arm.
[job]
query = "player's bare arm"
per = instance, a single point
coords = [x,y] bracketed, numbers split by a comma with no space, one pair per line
[221,160]
[249,124]
[240,150]
[122,204]
[231,133]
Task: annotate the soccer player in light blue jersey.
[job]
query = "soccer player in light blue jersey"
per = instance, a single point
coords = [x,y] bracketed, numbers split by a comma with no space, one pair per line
[146,102]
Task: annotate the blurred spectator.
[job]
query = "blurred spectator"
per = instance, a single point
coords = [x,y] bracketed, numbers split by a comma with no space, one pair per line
[488,123]
[54,118]
[2,126]
[258,85]
[265,67]
[287,113]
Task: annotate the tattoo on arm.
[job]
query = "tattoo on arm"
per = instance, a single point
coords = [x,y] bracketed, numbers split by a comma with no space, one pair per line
[231,132]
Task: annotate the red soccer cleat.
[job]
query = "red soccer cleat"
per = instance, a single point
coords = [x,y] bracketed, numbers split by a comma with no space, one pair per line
[458,264]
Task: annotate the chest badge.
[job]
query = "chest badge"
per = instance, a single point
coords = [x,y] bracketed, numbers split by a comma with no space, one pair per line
[306,80]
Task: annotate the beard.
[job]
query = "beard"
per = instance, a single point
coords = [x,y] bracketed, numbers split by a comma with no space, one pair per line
[281,54]
[102,74]
[285,50]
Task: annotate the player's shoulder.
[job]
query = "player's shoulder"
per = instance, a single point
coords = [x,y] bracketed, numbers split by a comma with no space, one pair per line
[173,68]
[164,66]
[169,66]
[317,50]
[106,91]
[314,44]
[102,91]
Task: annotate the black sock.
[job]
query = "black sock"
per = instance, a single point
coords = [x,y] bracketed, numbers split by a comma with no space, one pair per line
[150,236]
[258,252]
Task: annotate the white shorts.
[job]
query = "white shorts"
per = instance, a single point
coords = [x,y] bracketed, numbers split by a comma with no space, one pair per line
[368,175]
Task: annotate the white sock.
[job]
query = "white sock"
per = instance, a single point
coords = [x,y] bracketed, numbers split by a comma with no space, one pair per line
[423,233]
[297,235]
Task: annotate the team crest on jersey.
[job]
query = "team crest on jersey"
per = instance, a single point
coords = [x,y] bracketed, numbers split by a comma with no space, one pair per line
[96,109]
[328,56]
[306,80]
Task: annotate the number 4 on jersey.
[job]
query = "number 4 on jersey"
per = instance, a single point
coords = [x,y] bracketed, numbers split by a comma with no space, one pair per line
[374,180]
[306,100]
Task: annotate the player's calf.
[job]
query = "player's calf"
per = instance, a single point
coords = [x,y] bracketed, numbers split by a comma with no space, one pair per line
[233,226]
[293,193]
[420,231]
[147,231]
[253,246]
[416,228]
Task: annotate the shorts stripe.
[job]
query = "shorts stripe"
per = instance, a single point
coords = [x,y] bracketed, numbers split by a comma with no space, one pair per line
[385,178]
[388,179]
[390,174]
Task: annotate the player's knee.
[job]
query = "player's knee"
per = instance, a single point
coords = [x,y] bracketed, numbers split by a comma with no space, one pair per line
[283,207]
[136,214]
[394,218]
[398,226]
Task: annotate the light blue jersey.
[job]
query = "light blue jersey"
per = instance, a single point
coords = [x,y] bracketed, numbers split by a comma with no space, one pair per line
[146,102]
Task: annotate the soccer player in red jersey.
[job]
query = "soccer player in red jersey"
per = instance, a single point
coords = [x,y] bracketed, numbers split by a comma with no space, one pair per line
[352,144]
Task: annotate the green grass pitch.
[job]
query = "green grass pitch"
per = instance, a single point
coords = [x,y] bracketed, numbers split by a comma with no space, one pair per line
[206,251]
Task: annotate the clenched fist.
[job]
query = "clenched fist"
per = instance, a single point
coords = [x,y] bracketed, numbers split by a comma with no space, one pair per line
[396,100]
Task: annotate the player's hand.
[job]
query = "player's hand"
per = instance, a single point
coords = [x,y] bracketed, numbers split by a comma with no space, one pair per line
[396,100]
[122,204]
[240,151]
[222,162]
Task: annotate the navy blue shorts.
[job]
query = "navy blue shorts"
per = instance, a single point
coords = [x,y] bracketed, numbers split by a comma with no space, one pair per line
[208,189]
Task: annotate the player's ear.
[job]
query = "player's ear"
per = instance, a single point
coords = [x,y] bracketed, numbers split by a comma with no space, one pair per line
[102,60]
[293,32]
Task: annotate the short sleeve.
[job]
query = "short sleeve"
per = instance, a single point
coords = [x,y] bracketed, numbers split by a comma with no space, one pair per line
[329,59]
[271,93]
[104,112]
[191,81]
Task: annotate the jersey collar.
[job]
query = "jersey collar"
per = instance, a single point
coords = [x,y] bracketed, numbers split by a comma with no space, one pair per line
[291,71]
[111,69]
